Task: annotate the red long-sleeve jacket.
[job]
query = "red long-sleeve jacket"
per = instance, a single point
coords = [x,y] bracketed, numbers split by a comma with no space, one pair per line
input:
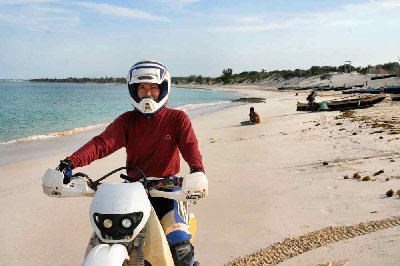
[151,142]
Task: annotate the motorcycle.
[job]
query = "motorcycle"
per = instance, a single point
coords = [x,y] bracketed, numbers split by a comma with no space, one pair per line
[127,230]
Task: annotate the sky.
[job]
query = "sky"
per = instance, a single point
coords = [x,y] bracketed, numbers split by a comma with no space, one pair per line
[59,39]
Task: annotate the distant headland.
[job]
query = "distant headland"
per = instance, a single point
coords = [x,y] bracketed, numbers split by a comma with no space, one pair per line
[81,80]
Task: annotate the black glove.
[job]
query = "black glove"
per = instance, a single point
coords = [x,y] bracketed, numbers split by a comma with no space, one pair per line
[195,170]
[66,167]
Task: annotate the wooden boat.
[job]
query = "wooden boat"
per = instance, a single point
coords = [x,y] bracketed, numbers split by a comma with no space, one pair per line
[369,91]
[395,97]
[362,101]
[325,88]
[341,88]
[306,107]
[384,76]
[358,85]
[392,89]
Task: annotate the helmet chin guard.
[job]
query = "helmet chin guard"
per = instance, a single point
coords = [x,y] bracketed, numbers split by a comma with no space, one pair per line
[147,106]
[149,72]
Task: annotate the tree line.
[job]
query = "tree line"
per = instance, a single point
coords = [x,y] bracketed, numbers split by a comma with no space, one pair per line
[324,72]
[228,77]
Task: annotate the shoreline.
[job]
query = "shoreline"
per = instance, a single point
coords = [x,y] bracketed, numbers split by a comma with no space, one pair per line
[22,125]
[26,148]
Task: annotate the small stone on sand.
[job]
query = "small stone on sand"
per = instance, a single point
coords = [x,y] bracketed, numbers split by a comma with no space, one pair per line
[357,175]
[389,193]
[366,178]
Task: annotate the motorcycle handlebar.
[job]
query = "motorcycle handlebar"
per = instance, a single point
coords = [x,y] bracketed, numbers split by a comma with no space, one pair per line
[170,187]
[156,182]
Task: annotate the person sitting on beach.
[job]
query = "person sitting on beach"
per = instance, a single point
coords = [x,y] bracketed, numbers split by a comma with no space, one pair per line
[254,117]
[311,100]
[152,135]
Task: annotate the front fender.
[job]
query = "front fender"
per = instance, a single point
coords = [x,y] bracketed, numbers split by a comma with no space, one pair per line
[106,255]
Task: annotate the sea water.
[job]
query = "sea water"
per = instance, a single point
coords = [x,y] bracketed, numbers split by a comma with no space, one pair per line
[31,111]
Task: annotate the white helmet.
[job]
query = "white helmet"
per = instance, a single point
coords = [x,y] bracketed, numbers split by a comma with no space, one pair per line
[149,71]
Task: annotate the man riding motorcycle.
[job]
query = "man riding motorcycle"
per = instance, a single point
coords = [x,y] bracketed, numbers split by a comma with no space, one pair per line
[153,136]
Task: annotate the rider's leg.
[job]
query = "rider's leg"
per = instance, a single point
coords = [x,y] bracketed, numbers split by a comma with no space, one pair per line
[175,222]
[182,253]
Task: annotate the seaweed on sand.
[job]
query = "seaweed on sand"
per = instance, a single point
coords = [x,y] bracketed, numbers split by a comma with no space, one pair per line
[250,100]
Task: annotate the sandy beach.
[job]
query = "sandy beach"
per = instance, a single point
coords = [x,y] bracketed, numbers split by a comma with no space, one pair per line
[268,183]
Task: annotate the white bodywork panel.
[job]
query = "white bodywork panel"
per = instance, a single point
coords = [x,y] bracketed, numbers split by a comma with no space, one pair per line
[106,255]
[120,198]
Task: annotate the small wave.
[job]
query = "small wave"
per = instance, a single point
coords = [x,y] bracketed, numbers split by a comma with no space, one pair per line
[185,108]
[54,134]
[192,106]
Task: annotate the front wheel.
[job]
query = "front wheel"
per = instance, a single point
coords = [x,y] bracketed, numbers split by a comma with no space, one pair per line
[146,263]
[136,259]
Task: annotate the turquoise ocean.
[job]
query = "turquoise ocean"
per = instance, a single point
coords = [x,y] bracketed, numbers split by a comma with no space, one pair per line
[33,111]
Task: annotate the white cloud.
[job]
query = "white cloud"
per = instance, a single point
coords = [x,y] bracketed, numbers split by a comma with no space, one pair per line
[250,19]
[351,15]
[20,2]
[372,6]
[254,28]
[118,11]
[180,3]
[174,5]
[36,17]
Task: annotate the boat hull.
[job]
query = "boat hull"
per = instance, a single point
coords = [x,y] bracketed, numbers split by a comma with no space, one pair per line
[363,101]
[395,97]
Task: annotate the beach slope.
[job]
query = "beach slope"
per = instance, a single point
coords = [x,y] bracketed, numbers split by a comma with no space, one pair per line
[268,182]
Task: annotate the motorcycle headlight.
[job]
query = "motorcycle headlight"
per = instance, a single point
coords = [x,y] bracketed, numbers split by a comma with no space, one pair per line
[126,222]
[117,226]
[107,223]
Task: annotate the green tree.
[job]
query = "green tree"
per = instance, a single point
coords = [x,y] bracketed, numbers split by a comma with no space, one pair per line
[226,75]
[199,79]
[315,70]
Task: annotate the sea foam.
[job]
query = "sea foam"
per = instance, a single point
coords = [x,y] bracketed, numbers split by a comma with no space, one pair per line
[54,134]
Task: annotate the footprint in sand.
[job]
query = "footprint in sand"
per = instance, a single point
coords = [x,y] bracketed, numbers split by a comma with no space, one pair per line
[327,210]
[332,188]
[334,197]
[212,140]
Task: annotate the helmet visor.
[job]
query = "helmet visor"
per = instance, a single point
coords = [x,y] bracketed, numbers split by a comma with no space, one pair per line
[146,75]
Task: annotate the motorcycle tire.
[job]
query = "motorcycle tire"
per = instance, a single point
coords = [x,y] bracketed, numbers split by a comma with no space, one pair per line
[134,260]
[126,263]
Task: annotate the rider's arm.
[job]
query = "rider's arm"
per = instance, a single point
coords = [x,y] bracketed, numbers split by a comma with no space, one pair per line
[188,145]
[110,140]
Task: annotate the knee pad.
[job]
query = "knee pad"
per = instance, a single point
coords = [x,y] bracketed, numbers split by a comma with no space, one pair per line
[182,253]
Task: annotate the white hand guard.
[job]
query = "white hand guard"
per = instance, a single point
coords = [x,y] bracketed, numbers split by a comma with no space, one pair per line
[53,185]
[194,187]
